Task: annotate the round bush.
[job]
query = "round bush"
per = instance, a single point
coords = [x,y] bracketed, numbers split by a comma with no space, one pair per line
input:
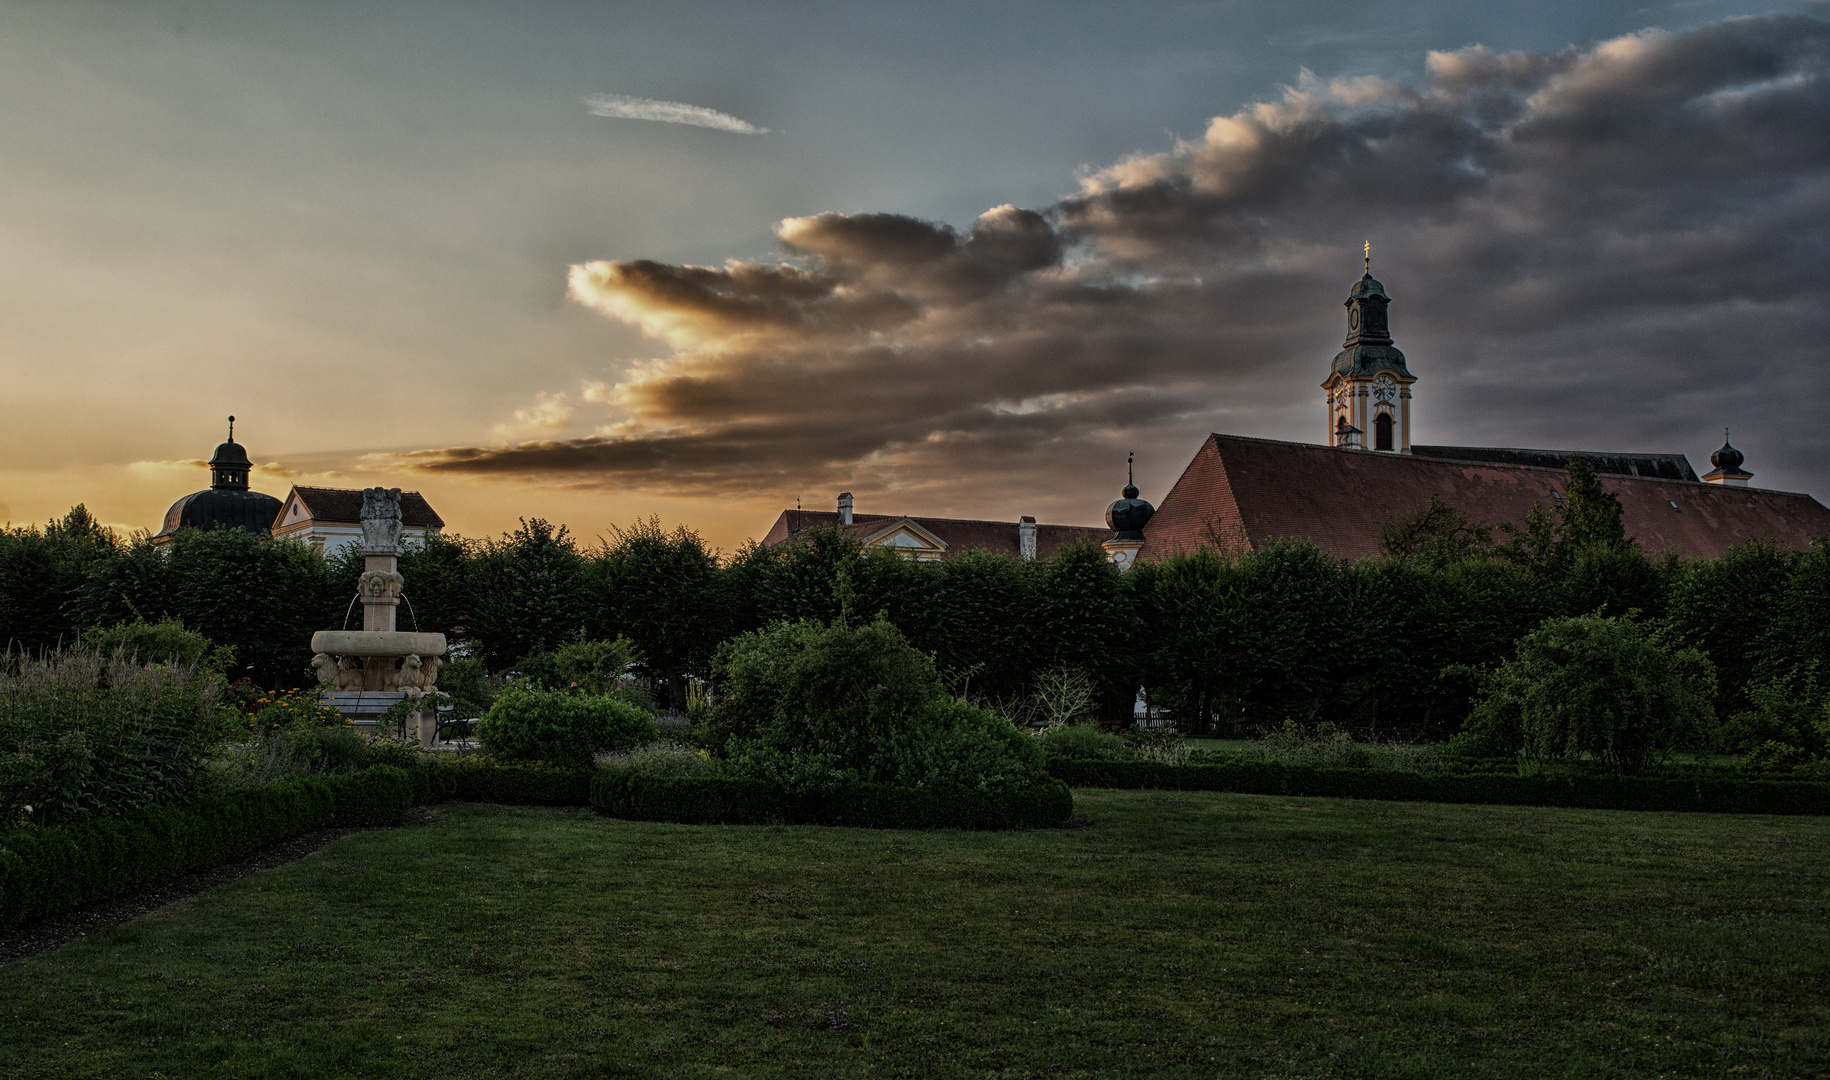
[565,728]
[1085,742]
[1596,688]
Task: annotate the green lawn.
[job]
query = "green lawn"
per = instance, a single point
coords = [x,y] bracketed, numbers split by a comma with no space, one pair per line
[1191,934]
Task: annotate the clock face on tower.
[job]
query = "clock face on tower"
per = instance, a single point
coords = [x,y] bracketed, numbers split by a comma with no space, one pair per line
[1385,389]
[1353,317]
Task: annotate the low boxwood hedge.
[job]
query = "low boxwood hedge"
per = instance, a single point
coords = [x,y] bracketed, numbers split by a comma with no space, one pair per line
[48,871]
[475,778]
[1702,793]
[723,800]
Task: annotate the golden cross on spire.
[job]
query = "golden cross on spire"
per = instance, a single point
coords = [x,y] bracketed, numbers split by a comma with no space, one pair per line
[1369,258]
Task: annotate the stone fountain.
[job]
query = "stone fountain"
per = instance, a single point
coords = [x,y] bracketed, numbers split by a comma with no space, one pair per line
[372,669]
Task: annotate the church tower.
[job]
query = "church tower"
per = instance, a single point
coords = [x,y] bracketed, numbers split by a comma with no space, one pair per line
[1369,388]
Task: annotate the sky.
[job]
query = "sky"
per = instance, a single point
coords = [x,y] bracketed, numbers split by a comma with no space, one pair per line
[593,263]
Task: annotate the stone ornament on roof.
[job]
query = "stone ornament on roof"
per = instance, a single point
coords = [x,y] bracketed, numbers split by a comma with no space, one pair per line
[381,521]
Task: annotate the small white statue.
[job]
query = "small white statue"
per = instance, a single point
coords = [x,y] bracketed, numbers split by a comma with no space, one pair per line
[410,673]
[381,521]
[326,667]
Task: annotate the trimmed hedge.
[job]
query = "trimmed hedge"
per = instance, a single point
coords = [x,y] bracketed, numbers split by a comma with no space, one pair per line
[721,800]
[1701,794]
[48,871]
[520,783]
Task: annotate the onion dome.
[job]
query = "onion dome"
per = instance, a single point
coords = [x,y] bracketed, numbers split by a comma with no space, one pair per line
[1727,462]
[1128,516]
[228,504]
[1728,459]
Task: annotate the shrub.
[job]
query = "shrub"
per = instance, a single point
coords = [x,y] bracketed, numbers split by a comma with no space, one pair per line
[1063,696]
[163,642]
[962,746]
[82,734]
[813,709]
[1597,688]
[51,870]
[662,758]
[1788,725]
[562,728]
[1083,741]
[590,667]
[1324,744]
[283,709]
[841,689]
[476,778]
[1705,794]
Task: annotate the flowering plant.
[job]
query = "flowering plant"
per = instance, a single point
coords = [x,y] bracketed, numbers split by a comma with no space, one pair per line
[279,709]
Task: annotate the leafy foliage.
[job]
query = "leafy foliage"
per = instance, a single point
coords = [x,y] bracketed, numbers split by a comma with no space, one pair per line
[262,597]
[591,667]
[561,728]
[1597,688]
[529,593]
[84,734]
[815,708]
[1083,741]
[659,590]
[163,642]
[1787,722]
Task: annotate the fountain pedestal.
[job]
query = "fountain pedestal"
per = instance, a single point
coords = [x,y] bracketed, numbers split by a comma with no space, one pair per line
[373,668]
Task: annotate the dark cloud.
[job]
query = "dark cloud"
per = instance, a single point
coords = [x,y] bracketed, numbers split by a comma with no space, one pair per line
[1620,246]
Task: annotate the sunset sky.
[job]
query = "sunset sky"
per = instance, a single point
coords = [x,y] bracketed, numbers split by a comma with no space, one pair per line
[593,262]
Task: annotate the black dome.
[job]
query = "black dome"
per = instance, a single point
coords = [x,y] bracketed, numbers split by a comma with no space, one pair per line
[223,508]
[1727,459]
[230,453]
[1128,516]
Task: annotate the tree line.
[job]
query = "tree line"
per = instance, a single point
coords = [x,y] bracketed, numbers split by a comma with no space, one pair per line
[1227,643]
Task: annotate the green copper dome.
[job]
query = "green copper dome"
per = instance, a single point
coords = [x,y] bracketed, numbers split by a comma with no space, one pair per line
[1368,348]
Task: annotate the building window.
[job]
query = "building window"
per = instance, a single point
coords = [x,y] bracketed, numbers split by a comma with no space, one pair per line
[1382,431]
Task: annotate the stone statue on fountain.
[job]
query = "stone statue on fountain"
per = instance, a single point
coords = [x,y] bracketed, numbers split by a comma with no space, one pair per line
[372,668]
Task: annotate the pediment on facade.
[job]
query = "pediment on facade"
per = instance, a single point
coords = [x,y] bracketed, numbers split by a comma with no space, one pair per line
[906,534]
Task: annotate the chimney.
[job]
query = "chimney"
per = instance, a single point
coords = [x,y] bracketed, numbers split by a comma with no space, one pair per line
[845,508]
[1026,538]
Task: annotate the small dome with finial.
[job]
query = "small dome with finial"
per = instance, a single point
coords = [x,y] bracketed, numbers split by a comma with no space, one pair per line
[1727,462]
[227,502]
[1128,516]
[231,454]
[1728,459]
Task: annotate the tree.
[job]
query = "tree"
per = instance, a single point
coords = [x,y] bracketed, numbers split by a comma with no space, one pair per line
[1724,607]
[658,589]
[530,593]
[440,588]
[1797,635]
[1589,687]
[42,574]
[1085,622]
[975,613]
[1436,534]
[262,597]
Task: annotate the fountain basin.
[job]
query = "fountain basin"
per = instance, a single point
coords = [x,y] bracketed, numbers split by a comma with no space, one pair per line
[377,643]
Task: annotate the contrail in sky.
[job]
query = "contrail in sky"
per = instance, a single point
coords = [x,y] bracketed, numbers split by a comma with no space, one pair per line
[668,112]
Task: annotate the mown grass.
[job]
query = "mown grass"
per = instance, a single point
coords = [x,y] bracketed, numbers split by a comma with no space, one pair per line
[1179,934]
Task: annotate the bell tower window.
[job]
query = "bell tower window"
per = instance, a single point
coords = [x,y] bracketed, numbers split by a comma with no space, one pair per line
[1382,431]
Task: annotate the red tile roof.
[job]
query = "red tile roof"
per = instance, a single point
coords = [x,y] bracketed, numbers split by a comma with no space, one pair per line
[999,537]
[1242,492]
[344,505]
